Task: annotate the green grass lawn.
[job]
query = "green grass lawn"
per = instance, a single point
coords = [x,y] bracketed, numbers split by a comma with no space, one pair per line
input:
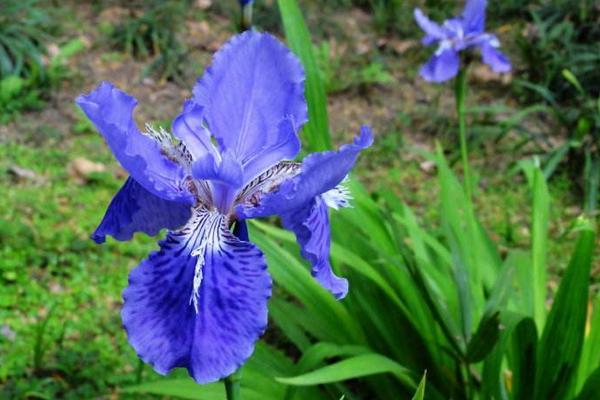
[60,292]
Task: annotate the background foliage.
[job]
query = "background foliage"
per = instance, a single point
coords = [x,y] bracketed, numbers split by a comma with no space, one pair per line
[497,298]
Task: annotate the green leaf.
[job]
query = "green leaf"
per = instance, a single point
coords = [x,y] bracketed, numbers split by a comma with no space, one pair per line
[539,241]
[522,353]
[590,356]
[591,389]
[501,291]
[554,158]
[40,346]
[475,260]
[354,367]
[319,352]
[256,383]
[569,76]
[591,175]
[10,87]
[420,393]
[485,338]
[316,131]
[492,379]
[288,322]
[180,388]
[66,51]
[294,276]
[521,300]
[562,338]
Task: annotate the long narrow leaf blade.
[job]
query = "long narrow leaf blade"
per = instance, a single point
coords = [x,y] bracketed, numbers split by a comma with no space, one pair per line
[180,388]
[316,131]
[590,356]
[420,393]
[539,240]
[562,338]
[591,389]
[354,367]
[523,347]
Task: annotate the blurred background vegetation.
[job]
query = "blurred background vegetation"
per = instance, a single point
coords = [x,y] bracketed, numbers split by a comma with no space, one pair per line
[60,329]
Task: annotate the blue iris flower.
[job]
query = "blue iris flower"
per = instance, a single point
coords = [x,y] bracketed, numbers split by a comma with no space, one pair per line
[244,2]
[455,35]
[200,302]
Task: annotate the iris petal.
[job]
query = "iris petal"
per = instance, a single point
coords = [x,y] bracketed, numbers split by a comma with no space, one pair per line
[134,209]
[189,128]
[161,321]
[111,110]
[320,172]
[226,170]
[288,138]
[494,58]
[433,31]
[441,67]
[253,85]
[473,16]
[267,181]
[311,226]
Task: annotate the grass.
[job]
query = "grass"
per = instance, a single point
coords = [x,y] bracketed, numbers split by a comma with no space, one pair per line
[52,273]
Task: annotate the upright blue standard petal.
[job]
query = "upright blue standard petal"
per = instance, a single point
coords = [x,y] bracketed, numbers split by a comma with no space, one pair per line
[473,16]
[247,96]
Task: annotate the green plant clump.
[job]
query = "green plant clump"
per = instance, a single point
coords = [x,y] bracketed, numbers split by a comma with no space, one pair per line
[150,31]
[27,75]
[560,50]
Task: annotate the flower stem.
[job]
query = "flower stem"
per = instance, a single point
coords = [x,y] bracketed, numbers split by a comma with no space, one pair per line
[139,371]
[232,385]
[460,95]
[246,17]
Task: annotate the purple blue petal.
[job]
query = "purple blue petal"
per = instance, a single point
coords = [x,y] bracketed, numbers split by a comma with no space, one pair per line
[253,85]
[189,128]
[473,16]
[111,110]
[458,34]
[441,67]
[134,209]
[226,169]
[493,57]
[311,226]
[320,172]
[161,321]
[433,31]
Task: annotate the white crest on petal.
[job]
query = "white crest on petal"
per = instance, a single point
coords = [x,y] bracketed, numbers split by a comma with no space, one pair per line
[338,197]
[199,252]
[174,149]
[444,45]
[267,182]
[209,223]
